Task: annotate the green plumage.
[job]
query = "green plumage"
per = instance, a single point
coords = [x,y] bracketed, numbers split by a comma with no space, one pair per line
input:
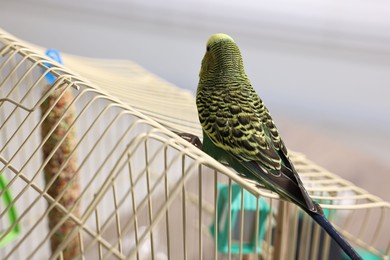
[238,129]
[235,120]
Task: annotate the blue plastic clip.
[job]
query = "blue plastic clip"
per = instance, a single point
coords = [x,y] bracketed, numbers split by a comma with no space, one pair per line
[54,55]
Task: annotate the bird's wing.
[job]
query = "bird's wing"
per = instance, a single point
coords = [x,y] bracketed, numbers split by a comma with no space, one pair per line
[244,128]
[233,124]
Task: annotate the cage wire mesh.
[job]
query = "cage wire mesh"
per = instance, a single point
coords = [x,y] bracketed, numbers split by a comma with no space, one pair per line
[91,170]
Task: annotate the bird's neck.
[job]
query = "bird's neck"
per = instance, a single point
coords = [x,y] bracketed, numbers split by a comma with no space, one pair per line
[224,78]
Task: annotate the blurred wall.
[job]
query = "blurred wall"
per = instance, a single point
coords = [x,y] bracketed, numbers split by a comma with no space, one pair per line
[321,64]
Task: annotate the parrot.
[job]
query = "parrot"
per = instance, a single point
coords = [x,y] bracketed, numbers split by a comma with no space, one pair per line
[238,131]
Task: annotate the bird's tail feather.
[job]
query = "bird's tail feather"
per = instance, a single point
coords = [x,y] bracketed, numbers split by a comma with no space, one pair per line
[325,224]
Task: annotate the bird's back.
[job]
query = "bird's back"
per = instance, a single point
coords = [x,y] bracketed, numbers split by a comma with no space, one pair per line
[236,121]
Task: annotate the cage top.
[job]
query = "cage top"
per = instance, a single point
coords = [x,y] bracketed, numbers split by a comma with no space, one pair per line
[168,107]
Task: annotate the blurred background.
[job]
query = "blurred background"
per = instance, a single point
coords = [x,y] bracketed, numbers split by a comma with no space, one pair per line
[322,67]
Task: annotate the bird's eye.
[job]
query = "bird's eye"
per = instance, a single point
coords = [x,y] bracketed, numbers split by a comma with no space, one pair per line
[208,48]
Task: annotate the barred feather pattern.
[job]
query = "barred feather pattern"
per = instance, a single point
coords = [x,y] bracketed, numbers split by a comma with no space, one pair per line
[238,129]
[230,111]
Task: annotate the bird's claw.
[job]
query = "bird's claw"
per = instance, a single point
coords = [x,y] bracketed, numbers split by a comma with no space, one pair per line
[193,139]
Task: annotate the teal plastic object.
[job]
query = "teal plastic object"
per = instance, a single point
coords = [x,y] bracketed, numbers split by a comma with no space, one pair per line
[12,215]
[366,255]
[249,237]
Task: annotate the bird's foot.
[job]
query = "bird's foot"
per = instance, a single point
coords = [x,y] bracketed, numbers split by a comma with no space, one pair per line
[193,139]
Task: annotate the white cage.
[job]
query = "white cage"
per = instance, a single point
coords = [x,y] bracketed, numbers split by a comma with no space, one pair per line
[126,187]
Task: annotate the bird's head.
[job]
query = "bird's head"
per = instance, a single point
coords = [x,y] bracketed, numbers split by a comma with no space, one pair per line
[222,57]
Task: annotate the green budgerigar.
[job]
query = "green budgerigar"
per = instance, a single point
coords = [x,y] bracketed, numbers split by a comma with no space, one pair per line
[238,130]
